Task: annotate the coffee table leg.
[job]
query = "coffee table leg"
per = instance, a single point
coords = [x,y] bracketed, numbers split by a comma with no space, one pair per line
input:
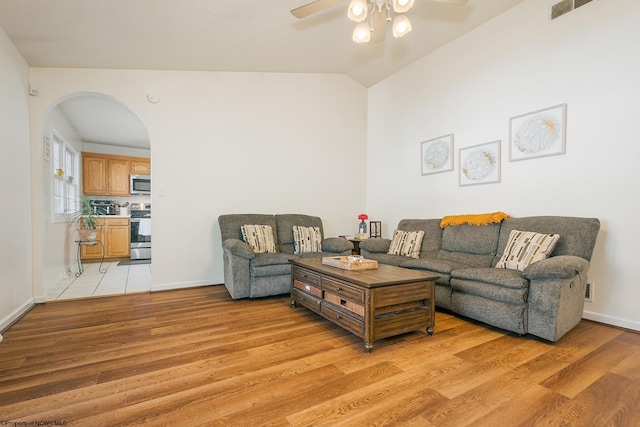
[429,330]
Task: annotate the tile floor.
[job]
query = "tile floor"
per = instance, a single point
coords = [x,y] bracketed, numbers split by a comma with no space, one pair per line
[116,280]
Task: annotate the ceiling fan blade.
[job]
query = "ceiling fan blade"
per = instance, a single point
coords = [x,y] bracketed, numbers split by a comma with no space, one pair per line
[378,25]
[314,7]
[456,2]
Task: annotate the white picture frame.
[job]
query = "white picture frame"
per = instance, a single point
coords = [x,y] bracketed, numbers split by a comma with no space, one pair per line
[436,155]
[480,164]
[539,133]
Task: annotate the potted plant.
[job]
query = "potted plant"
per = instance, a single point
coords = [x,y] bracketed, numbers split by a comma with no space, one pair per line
[86,220]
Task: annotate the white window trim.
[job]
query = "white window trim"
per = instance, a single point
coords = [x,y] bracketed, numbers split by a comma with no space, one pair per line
[66,147]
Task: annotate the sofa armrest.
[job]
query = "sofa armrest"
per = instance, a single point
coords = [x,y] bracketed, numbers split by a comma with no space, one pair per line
[336,245]
[560,267]
[238,248]
[376,245]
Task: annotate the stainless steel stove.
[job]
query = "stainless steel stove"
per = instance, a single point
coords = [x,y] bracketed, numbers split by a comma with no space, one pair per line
[140,231]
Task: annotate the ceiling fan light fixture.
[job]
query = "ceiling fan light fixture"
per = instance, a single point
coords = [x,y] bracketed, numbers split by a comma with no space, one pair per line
[401,6]
[357,10]
[401,25]
[362,32]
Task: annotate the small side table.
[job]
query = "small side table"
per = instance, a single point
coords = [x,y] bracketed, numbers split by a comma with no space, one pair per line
[356,246]
[82,243]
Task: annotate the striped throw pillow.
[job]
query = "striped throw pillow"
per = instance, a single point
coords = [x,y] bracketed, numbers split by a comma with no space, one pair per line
[526,247]
[307,239]
[406,243]
[259,238]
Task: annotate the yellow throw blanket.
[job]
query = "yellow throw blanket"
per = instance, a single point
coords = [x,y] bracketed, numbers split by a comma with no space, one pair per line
[473,219]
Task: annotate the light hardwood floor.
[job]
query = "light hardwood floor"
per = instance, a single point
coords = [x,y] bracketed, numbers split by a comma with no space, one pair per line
[195,357]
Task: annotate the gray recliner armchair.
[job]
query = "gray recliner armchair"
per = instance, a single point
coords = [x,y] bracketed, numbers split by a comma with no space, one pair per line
[251,275]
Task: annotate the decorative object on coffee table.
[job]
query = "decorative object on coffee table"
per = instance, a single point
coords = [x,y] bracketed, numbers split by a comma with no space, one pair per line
[350,262]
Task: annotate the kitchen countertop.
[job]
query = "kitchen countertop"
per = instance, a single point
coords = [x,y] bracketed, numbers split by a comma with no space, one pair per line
[113,216]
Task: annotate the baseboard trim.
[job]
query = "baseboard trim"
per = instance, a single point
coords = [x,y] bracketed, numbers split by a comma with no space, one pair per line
[611,320]
[16,315]
[180,285]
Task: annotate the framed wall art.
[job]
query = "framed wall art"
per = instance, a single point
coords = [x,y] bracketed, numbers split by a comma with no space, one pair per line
[437,155]
[480,164]
[538,134]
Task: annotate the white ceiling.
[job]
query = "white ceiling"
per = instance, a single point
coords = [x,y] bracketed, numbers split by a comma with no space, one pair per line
[226,35]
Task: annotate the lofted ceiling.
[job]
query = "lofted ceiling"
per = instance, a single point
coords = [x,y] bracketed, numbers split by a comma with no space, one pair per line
[226,35]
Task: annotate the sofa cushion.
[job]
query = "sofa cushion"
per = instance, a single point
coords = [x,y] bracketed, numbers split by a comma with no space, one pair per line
[493,276]
[259,238]
[433,265]
[577,235]
[285,223]
[406,243]
[471,239]
[432,240]
[277,258]
[307,239]
[526,247]
[491,283]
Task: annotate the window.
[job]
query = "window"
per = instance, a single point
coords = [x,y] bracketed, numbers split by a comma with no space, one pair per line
[65,177]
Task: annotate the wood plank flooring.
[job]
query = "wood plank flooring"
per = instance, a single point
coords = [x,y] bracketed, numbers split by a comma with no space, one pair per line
[195,357]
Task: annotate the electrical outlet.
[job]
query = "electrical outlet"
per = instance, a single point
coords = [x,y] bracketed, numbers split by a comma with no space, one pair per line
[588,294]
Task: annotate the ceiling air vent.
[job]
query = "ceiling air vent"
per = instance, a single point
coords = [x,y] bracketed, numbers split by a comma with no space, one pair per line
[566,6]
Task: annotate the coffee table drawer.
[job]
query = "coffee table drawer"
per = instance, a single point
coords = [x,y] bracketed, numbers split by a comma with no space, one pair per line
[343,290]
[344,303]
[306,276]
[305,287]
[344,320]
[306,300]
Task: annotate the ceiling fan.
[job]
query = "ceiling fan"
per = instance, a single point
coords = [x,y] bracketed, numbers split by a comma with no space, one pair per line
[371,16]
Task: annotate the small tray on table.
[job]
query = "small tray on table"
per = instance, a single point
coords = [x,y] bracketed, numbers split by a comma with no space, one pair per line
[344,263]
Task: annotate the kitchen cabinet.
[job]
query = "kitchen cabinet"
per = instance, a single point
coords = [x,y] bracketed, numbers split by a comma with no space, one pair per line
[118,238]
[108,174]
[141,167]
[94,175]
[115,237]
[118,177]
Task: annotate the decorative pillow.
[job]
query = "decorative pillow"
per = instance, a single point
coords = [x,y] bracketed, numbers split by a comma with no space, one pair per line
[259,238]
[406,243]
[307,239]
[526,247]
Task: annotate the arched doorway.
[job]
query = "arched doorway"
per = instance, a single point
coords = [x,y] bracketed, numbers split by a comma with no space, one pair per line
[85,122]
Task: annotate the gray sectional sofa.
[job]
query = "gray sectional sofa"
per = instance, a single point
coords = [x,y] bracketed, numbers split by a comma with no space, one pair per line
[546,299]
[251,275]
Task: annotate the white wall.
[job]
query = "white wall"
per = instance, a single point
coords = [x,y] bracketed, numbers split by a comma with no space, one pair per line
[15,227]
[517,63]
[230,143]
[58,246]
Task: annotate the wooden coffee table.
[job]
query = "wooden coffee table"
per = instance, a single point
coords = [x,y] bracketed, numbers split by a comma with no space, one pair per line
[372,304]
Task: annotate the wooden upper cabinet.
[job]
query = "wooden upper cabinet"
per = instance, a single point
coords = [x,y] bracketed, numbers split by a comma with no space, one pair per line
[94,175]
[119,177]
[108,175]
[141,167]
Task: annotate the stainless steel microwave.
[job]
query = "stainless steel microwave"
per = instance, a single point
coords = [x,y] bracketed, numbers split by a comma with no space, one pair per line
[140,184]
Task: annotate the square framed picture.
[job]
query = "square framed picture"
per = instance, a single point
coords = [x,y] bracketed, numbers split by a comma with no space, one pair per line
[437,155]
[480,164]
[538,134]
